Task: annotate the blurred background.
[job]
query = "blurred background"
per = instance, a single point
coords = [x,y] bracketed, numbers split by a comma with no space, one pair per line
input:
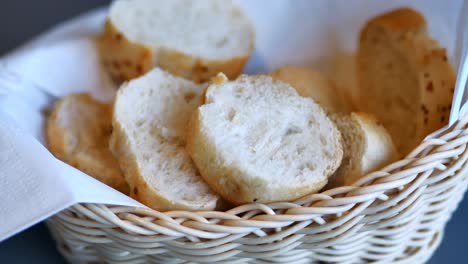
[22,20]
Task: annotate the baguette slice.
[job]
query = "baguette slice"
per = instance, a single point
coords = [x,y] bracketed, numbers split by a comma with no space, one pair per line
[310,83]
[367,147]
[150,119]
[191,39]
[257,140]
[405,79]
[78,132]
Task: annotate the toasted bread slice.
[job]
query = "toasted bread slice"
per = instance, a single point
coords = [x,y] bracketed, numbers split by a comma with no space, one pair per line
[150,118]
[78,132]
[256,140]
[191,39]
[405,78]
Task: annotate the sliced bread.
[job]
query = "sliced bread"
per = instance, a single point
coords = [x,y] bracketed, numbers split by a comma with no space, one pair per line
[310,83]
[191,39]
[256,140]
[150,118]
[78,132]
[405,78]
[367,147]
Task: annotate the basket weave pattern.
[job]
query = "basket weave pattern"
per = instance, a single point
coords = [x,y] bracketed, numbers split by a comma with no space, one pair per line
[396,215]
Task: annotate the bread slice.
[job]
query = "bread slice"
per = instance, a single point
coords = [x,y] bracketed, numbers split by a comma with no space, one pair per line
[310,83]
[191,39]
[150,120]
[257,140]
[367,147]
[78,131]
[405,78]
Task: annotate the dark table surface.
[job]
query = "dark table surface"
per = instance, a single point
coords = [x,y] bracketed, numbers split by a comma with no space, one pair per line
[35,245]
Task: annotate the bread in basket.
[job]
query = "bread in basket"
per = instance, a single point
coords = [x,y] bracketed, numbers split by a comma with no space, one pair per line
[393,215]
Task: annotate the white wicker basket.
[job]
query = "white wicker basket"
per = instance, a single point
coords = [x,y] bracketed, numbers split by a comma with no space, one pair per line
[396,215]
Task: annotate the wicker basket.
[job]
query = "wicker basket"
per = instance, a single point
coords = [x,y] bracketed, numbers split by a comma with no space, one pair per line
[396,215]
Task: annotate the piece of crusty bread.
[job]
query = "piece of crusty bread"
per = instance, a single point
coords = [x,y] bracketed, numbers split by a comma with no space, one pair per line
[367,147]
[405,78]
[310,83]
[191,39]
[256,140]
[148,139]
[78,132]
